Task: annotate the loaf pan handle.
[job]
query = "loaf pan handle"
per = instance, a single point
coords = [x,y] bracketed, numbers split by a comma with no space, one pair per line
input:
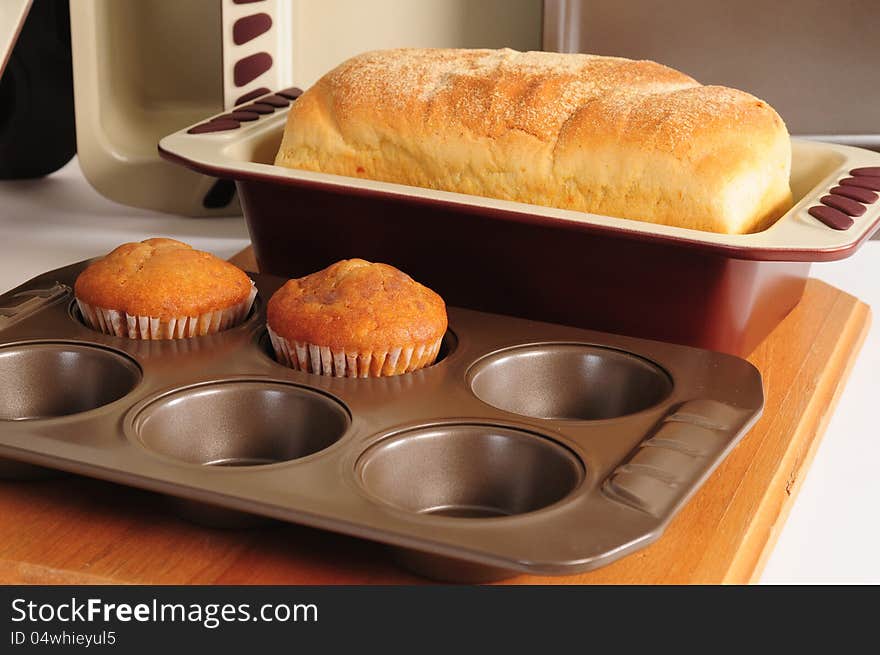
[257,49]
[247,115]
[847,201]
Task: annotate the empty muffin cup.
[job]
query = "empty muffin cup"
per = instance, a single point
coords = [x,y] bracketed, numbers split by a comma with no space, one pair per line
[240,423]
[237,424]
[469,471]
[47,380]
[50,380]
[568,381]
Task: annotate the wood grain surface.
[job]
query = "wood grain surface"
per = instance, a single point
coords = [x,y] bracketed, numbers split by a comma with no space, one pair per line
[80,531]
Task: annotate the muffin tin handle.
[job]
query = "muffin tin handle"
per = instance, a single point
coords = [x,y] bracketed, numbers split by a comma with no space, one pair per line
[683,450]
[30,301]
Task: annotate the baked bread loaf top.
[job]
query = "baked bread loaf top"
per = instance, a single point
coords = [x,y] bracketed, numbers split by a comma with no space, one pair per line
[606,135]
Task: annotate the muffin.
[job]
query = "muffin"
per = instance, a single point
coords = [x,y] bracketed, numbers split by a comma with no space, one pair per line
[356,319]
[162,289]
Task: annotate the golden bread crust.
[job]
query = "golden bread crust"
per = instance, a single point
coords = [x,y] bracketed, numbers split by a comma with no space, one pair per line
[632,139]
[162,278]
[357,306]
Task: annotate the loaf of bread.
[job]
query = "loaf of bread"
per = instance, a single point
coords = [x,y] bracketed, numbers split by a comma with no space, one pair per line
[610,136]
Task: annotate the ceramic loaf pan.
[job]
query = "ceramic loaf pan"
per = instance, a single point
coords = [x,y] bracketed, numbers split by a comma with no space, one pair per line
[528,447]
[723,292]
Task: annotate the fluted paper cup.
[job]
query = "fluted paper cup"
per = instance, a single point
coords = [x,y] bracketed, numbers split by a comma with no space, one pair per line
[121,324]
[323,360]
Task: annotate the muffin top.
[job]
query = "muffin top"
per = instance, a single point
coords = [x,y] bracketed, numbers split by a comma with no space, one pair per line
[162,278]
[355,305]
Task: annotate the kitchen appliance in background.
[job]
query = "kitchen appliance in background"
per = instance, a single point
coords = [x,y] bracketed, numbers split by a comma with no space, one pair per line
[146,68]
[37,133]
[814,61]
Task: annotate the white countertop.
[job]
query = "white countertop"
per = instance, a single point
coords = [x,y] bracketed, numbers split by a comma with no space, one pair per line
[833,531]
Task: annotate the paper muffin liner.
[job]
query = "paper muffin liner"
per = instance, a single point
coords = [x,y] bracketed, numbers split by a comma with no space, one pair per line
[323,360]
[121,324]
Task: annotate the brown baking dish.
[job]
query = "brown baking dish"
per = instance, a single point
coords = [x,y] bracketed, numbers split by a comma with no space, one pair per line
[722,292]
[529,447]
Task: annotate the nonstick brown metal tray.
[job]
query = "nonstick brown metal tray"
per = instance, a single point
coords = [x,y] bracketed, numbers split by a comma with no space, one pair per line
[528,447]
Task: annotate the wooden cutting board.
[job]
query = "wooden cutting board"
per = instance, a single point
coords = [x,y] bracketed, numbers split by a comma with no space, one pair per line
[74,530]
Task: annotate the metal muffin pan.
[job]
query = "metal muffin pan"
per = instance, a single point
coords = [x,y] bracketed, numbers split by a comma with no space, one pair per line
[528,447]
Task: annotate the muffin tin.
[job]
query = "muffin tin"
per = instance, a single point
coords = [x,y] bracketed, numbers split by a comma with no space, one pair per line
[528,447]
